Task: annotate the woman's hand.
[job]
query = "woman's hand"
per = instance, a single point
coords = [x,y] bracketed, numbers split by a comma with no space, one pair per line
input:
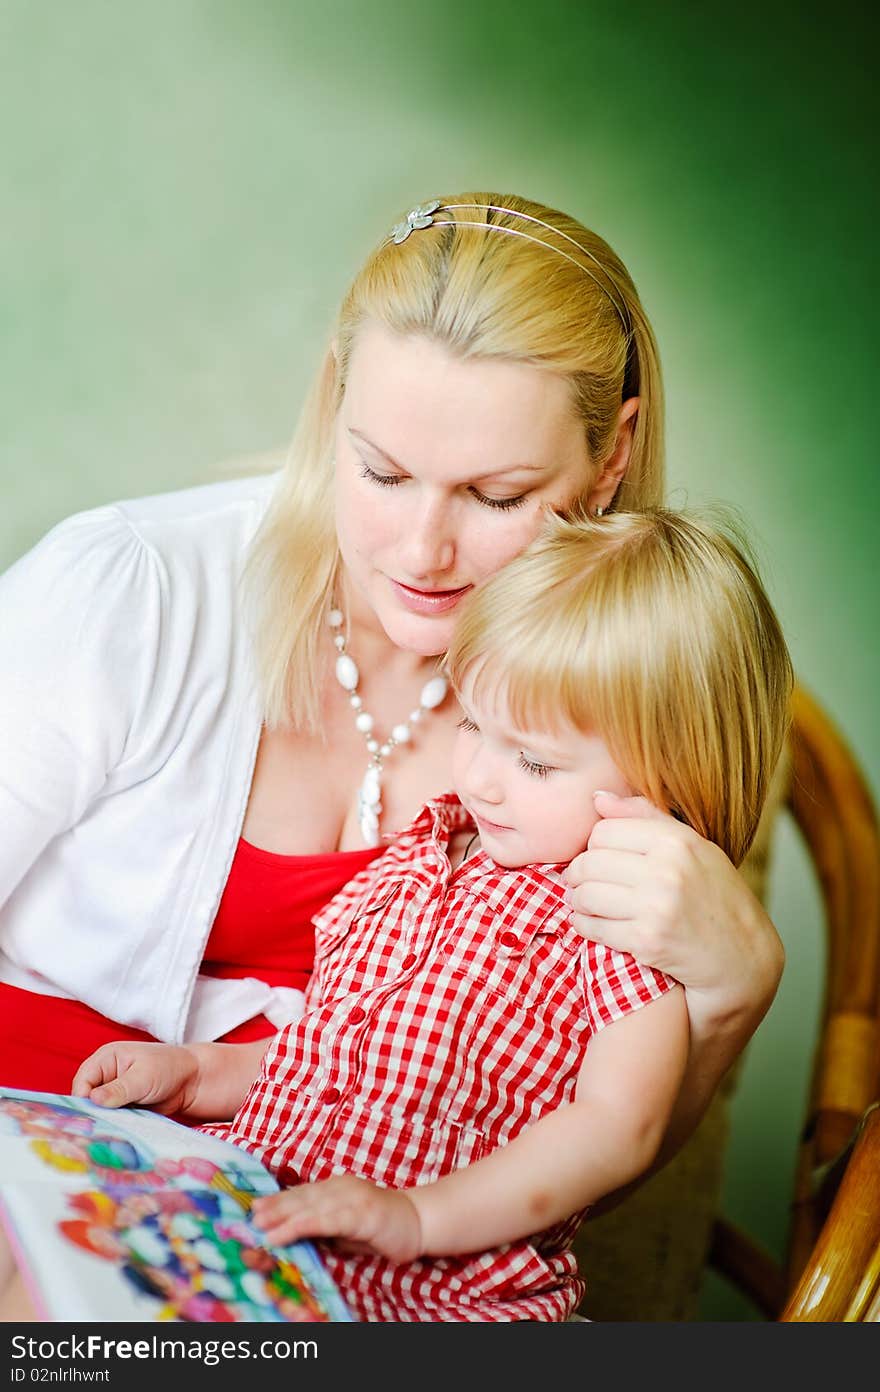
[363,1216]
[651,886]
[162,1076]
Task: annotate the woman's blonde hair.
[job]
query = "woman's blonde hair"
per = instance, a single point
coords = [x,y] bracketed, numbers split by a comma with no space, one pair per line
[558,298]
[653,631]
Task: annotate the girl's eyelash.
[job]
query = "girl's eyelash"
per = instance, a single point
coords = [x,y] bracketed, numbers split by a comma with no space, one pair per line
[530,765]
[392,480]
[539,770]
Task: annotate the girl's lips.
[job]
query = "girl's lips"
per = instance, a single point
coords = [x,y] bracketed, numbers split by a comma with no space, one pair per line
[428,601]
[491,827]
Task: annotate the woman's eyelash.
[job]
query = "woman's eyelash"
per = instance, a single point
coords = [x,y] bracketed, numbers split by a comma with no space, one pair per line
[467,724]
[501,504]
[539,770]
[392,480]
[384,480]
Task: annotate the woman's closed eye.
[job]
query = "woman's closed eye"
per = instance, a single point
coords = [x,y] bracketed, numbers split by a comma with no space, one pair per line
[467,724]
[392,480]
[383,480]
[500,504]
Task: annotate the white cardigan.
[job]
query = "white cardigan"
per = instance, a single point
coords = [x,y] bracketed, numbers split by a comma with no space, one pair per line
[129,725]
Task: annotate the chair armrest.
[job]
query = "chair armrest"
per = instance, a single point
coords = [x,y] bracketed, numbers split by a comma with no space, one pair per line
[841,1280]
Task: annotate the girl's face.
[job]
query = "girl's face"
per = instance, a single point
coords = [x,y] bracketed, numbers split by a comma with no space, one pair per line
[530,795]
[443,468]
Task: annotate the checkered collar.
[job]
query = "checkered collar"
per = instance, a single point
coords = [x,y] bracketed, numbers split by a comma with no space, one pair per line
[438,820]
[431,830]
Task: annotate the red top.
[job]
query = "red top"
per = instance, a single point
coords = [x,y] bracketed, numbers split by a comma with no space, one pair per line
[264,925]
[263,928]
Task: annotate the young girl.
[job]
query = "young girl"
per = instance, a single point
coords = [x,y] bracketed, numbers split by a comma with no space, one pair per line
[470,1074]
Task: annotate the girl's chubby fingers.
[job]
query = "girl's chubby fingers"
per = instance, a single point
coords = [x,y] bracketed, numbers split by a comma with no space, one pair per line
[356,1214]
[95,1073]
[309,1210]
[118,1075]
[123,1091]
[113,1094]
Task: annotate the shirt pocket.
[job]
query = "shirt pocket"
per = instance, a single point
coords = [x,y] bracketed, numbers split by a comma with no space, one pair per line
[350,950]
[395,1149]
[513,950]
[527,1029]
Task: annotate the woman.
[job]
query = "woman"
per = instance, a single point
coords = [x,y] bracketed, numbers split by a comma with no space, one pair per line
[194,765]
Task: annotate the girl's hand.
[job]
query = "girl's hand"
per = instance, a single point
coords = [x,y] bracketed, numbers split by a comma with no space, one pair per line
[162,1076]
[651,886]
[365,1217]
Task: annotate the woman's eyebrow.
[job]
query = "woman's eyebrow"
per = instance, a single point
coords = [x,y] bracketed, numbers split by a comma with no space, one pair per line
[389,459]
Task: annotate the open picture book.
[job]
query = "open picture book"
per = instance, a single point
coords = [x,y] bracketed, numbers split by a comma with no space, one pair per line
[126,1215]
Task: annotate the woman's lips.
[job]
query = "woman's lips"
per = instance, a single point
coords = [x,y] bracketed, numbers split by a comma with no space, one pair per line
[427,601]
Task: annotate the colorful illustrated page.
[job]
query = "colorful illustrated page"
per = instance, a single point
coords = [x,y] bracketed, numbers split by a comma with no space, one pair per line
[125,1215]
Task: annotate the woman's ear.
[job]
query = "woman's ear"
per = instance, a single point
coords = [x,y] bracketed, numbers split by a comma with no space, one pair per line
[604,489]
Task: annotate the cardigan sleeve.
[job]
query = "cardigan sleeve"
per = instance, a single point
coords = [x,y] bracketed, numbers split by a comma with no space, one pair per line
[80,618]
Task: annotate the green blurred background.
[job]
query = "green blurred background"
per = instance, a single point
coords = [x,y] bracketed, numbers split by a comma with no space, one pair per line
[187,187]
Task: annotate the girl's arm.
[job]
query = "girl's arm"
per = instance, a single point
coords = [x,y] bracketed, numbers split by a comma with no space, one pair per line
[650,886]
[626,1089]
[204,1081]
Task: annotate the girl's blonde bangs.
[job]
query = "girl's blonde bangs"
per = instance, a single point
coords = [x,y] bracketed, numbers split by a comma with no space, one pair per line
[653,632]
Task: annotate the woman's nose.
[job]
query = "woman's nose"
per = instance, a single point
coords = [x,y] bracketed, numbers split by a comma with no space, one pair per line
[429,544]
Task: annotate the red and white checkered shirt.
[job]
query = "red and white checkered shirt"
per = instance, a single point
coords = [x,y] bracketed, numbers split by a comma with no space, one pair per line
[446,1012]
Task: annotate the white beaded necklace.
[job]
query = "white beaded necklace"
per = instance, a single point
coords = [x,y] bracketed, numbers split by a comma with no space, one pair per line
[433,694]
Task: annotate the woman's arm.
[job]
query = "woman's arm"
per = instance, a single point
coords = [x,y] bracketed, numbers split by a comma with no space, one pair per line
[78,632]
[650,886]
[610,1132]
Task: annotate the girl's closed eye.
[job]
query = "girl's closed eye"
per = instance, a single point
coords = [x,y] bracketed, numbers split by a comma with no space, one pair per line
[467,724]
[532,766]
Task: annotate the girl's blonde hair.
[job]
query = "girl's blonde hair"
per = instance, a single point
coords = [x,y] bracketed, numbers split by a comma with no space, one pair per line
[653,631]
[482,293]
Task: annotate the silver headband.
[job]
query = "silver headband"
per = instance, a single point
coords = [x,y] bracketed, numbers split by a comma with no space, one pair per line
[424,216]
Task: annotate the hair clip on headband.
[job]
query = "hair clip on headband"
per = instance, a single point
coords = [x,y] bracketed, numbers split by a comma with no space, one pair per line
[424,216]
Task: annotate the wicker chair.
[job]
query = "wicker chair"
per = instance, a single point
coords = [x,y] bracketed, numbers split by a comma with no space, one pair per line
[645,1260]
[832,807]
[840,1281]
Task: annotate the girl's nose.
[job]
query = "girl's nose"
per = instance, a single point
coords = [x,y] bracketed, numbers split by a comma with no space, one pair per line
[482,777]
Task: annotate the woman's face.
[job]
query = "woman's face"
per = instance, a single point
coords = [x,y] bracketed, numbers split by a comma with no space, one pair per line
[443,467]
